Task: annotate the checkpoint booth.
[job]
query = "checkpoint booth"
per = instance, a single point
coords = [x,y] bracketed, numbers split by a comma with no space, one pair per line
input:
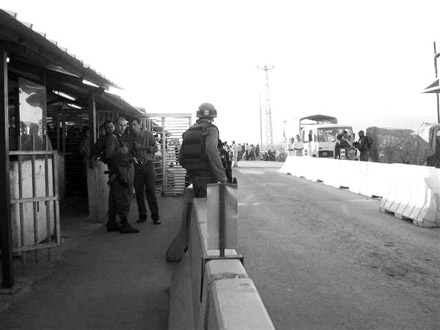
[52,103]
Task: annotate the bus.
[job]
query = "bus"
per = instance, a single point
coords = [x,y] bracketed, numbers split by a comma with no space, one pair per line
[317,132]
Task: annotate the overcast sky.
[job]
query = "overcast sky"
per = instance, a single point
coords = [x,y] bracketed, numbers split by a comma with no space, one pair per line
[365,62]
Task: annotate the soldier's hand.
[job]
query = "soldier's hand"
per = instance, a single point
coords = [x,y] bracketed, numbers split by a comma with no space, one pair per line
[92,163]
[124,150]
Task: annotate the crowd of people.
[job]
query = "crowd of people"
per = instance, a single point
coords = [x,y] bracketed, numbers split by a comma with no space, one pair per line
[344,147]
[209,160]
[344,143]
[129,154]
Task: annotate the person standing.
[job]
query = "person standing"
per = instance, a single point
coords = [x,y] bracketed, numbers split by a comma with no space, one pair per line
[235,150]
[98,151]
[144,146]
[199,154]
[251,152]
[342,143]
[298,146]
[121,174]
[291,147]
[364,145]
[247,150]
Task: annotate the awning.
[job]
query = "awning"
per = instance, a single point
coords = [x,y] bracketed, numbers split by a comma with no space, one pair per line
[32,56]
[25,44]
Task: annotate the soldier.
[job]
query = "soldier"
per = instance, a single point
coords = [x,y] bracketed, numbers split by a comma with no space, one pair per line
[225,159]
[144,147]
[199,154]
[364,145]
[121,174]
[98,151]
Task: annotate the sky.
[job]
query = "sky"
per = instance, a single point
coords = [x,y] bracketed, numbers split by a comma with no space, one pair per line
[364,62]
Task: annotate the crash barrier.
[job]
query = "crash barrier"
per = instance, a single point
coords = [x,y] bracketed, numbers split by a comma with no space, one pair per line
[408,191]
[210,288]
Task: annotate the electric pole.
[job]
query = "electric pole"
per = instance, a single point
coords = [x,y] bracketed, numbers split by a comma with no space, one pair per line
[268,113]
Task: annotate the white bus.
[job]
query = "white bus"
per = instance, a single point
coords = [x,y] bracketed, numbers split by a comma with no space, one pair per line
[317,132]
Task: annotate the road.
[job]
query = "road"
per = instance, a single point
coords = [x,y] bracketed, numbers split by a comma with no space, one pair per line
[325,258]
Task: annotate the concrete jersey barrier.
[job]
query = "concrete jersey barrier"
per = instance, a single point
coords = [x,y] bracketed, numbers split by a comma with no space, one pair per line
[408,191]
[209,291]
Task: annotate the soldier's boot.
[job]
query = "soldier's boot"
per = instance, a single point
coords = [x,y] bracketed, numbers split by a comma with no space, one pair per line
[126,228]
[112,225]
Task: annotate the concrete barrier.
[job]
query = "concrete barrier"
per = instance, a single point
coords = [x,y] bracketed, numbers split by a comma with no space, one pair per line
[209,290]
[376,183]
[408,191]
[413,194]
[239,300]
[181,311]
[180,243]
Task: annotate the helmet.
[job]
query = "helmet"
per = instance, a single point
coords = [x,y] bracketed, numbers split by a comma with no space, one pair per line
[206,110]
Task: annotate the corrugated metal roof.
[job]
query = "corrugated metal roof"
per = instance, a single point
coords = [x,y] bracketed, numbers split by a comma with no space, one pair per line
[30,50]
[19,39]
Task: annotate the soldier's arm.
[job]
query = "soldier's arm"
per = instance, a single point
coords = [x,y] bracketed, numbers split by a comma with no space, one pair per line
[152,143]
[181,159]
[112,148]
[215,162]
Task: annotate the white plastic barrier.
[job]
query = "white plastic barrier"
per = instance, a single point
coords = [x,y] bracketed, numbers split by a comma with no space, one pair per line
[427,202]
[377,180]
[331,172]
[414,194]
[289,166]
[408,191]
[353,175]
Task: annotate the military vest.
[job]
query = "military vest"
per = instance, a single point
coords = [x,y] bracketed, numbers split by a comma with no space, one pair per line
[193,147]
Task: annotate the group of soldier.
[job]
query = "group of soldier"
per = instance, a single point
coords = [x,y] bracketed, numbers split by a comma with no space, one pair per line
[343,142]
[129,155]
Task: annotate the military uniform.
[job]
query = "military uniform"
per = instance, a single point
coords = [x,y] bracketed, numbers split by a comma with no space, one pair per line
[364,145]
[200,157]
[145,174]
[98,151]
[120,180]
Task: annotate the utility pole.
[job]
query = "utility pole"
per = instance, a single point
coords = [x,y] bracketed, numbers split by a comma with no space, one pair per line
[436,76]
[261,126]
[268,113]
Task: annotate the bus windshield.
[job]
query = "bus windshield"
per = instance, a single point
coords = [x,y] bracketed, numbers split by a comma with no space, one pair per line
[328,134]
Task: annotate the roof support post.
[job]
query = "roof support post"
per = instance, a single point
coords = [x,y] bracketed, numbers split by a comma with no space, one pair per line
[92,119]
[5,197]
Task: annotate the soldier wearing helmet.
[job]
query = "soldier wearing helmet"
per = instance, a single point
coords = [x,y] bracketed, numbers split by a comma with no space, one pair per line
[199,154]
[364,145]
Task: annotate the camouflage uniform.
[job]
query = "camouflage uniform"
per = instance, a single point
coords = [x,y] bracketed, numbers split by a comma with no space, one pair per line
[121,174]
[200,157]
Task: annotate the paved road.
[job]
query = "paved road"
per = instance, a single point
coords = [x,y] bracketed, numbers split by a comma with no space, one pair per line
[324,258]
